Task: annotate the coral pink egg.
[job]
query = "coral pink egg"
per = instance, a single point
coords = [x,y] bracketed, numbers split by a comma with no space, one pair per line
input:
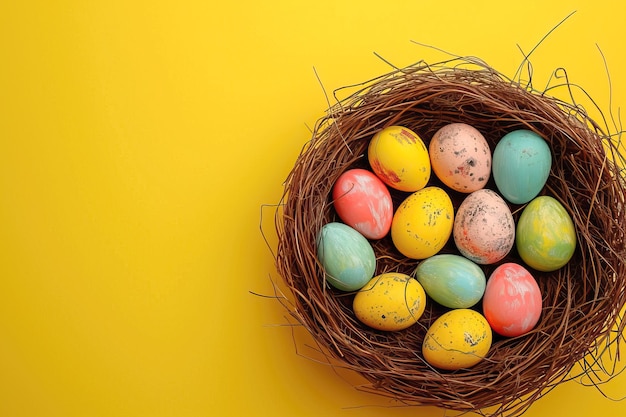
[363,202]
[512,300]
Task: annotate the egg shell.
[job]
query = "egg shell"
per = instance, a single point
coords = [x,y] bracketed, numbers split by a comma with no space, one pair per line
[460,157]
[422,224]
[399,158]
[521,165]
[458,339]
[363,202]
[390,302]
[451,280]
[512,301]
[546,235]
[484,229]
[346,255]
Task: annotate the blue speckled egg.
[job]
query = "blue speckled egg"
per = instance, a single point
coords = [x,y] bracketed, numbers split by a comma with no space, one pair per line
[451,280]
[347,257]
[521,165]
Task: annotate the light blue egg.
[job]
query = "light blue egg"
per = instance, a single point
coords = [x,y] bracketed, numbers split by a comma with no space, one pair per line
[452,280]
[521,165]
[347,257]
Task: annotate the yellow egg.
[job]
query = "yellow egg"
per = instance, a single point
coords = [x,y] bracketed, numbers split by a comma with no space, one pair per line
[390,302]
[423,223]
[458,339]
[399,158]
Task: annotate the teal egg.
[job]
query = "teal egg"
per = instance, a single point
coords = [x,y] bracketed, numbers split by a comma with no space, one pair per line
[347,257]
[452,280]
[521,165]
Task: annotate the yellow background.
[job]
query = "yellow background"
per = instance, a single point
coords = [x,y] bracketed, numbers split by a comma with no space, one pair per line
[138,143]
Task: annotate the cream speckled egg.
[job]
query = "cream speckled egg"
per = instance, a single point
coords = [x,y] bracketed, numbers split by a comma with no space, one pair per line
[460,157]
[484,229]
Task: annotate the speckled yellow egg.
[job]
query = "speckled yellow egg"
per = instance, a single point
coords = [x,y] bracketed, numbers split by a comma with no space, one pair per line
[422,224]
[460,157]
[458,339]
[390,302]
[399,158]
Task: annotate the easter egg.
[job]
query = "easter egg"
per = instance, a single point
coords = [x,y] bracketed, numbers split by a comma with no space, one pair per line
[546,236]
[390,302]
[363,202]
[399,158]
[521,165]
[459,338]
[422,224]
[451,280]
[484,229]
[346,255]
[512,301]
[460,157]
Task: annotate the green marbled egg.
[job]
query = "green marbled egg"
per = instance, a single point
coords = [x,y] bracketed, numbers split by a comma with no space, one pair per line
[545,236]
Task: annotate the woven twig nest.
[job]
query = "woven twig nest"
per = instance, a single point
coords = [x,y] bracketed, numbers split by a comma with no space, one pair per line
[581,301]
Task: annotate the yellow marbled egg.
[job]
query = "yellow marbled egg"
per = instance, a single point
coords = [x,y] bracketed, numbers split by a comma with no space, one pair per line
[399,157]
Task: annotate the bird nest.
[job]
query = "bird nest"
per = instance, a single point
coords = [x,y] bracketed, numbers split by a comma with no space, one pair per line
[582,301]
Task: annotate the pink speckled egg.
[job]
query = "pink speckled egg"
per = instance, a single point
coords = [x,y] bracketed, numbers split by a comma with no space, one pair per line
[484,229]
[460,157]
[363,202]
[512,300]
